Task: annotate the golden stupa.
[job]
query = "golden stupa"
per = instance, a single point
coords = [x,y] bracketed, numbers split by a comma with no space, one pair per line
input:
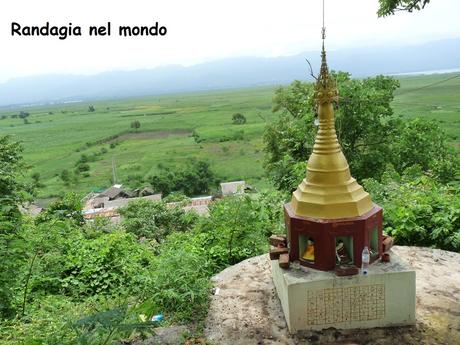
[328,191]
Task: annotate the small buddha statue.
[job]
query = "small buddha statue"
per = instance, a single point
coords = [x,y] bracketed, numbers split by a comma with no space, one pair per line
[309,253]
[341,253]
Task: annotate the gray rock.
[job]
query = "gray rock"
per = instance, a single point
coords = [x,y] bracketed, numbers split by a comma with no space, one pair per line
[166,336]
[247,310]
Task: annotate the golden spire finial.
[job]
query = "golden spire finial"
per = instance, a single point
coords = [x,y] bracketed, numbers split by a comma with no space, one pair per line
[325,90]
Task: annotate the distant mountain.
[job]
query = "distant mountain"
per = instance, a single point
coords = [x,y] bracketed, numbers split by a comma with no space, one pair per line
[228,73]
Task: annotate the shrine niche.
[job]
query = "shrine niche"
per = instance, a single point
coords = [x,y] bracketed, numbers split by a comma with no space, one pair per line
[326,244]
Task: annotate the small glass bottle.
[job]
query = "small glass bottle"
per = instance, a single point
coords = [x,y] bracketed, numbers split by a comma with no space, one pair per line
[365,258]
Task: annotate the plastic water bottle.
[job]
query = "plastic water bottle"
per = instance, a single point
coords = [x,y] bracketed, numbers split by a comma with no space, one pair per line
[365,258]
[157,318]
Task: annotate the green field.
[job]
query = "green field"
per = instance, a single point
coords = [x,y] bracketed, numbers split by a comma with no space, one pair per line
[435,97]
[56,136]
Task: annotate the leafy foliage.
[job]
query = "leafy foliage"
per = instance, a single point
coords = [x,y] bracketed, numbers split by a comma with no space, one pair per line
[23,114]
[67,207]
[70,264]
[238,119]
[44,252]
[135,125]
[388,7]
[64,267]
[103,327]
[111,263]
[418,209]
[49,324]
[12,193]
[65,176]
[180,285]
[370,136]
[194,179]
[155,220]
[57,320]
[238,227]
[422,142]
[176,197]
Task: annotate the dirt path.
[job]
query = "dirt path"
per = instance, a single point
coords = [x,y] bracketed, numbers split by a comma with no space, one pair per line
[247,311]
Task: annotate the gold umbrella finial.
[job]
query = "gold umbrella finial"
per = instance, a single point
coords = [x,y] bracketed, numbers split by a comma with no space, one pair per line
[325,90]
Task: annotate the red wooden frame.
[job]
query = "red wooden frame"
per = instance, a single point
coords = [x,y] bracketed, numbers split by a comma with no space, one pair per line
[324,233]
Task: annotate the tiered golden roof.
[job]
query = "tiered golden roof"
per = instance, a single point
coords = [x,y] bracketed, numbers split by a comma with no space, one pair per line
[328,191]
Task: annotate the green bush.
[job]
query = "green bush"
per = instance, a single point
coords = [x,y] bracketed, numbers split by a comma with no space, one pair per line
[58,320]
[65,176]
[113,263]
[176,197]
[62,259]
[67,207]
[82,167]
[155,220]
[48,323]
[238,119]
[418,210]
[113,324]
[238,228]
[180,287]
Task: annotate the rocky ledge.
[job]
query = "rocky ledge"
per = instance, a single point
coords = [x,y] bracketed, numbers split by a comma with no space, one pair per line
[245,309]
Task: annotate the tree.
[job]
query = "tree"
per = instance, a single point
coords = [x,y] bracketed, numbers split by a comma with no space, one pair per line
[370,136]
[82,167]
[389,7]
[135,125]
[65,176]
[363,123]
[36,180]
[423,143]
[196,178]
[23,114]
[12,193]
[91,108]
[238,119]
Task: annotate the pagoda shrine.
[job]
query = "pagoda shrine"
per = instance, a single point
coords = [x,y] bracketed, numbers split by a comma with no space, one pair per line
[330,220]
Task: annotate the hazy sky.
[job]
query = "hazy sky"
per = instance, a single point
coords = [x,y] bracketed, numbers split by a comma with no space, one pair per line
[203,30]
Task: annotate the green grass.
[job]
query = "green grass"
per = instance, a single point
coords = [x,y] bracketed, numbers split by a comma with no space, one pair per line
[435,97]
[56,141]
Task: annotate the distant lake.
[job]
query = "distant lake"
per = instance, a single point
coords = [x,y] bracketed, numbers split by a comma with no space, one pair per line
[435,71]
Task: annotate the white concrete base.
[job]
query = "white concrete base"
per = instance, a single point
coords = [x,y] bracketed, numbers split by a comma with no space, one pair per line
[315,300]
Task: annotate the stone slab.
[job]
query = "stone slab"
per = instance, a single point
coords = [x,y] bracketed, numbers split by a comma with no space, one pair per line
[315,300]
